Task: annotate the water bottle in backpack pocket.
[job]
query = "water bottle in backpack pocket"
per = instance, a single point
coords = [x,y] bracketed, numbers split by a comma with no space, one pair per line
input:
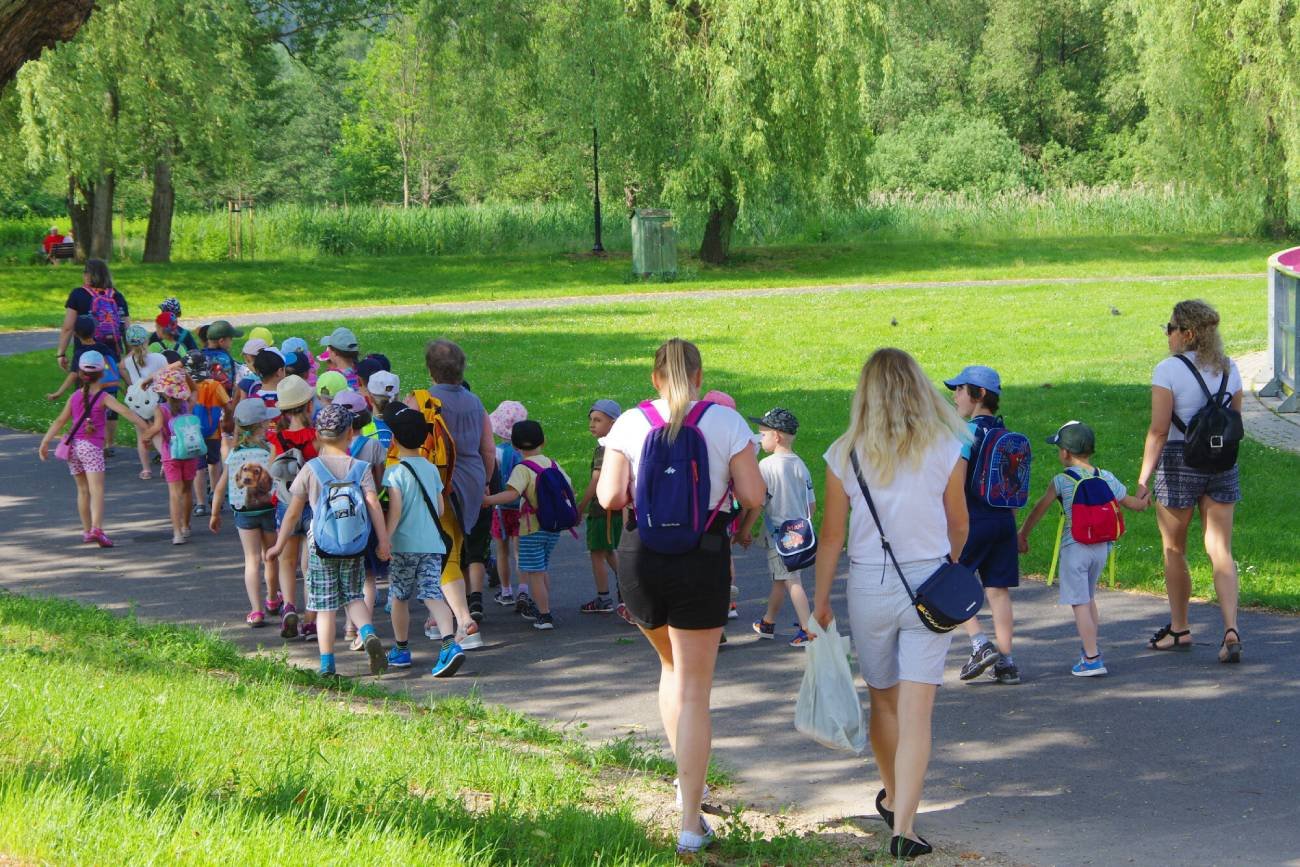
[557,508]
[340,520]
[1095,514]
[187,438]
[999,469]
[671,500]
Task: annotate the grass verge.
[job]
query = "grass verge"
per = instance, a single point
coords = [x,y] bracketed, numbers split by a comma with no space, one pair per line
[160,744]
[33,296]
[1061,353]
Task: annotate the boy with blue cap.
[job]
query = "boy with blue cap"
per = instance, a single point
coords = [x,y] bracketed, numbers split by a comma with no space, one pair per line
[992,549]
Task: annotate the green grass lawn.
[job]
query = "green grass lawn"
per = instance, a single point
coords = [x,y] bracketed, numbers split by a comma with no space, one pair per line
[33,296]
[1061,353]
[133,744]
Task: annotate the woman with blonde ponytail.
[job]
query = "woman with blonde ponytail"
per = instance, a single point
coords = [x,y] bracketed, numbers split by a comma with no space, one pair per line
[907,441]
[1176,395]
[680,600]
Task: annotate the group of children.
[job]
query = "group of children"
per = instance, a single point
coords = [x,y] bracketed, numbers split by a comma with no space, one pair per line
[322,449]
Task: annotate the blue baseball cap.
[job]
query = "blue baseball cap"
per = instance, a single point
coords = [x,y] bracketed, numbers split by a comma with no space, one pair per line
[977,375]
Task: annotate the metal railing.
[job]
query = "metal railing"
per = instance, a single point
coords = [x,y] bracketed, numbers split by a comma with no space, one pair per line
[1283,313]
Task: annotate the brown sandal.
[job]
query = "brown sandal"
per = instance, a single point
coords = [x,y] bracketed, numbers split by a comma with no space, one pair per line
[1167,631]
[1230,651]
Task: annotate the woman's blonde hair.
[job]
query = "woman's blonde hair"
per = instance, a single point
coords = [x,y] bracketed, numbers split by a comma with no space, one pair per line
[1202,321]
[896,417]
[675,363]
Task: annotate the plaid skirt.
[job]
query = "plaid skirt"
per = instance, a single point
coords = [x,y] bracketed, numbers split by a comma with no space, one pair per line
[1178,486]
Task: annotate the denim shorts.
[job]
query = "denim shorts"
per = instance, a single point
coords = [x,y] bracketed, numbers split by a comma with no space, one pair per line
[264,521]
[303,523]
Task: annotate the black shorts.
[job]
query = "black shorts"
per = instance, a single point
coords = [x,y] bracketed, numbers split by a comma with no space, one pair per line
[991,550]
[212,458]
[684,591]
[478,541]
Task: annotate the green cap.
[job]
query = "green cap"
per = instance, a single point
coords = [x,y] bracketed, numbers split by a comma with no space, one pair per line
[221,329]
[1075,437]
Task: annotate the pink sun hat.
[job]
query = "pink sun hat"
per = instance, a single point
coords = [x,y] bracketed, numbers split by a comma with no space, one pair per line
[505,416]
[721,398]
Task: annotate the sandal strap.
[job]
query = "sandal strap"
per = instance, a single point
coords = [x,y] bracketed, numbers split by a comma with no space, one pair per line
[1234,631]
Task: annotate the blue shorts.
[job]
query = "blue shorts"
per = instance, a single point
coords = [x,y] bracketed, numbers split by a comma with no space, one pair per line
[374,565]
[264,521]
[303,523]
[535,550]
[991,550]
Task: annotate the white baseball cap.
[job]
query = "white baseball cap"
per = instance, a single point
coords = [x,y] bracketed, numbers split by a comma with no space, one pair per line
[382,382]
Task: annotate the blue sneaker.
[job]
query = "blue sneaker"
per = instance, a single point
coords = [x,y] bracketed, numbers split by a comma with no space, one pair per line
[326,670]
[399,657]
[1085,668]
[449,660]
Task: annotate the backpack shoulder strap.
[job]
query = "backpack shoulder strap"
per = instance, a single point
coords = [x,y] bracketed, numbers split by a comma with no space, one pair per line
[357,471]
[652,415]
[428,502]
[697,412]
[1197,373]
[1074,474]
[322,472]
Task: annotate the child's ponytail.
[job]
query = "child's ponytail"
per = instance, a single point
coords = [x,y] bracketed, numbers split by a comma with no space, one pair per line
[675,363]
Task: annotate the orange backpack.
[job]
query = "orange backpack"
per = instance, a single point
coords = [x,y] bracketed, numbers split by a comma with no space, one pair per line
[439,448]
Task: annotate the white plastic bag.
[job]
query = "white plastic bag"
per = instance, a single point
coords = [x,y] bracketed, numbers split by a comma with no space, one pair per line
[828,710]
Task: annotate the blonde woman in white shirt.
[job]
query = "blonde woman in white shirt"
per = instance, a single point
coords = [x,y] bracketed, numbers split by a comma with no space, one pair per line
[908,441]
[680,601]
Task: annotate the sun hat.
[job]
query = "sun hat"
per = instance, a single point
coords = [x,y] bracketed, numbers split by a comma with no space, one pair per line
[334,421]
[721,398]
[351,400]
[222,329]
[527,434]
[330,383]
[261,332]
[172,306]
[91,360]
[1075,437]
[977,375]
[383,384]
[409,426]
[253,345]
[341,338]
[137,335]
[294,344]
[778,419]
[607,406]
[170,382]
[292,392]
[253,410]
[504,418]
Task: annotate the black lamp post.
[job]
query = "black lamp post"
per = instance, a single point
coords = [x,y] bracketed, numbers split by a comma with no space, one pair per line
[595,172]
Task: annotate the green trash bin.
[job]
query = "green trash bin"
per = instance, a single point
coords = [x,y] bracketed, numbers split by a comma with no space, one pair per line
[654,243]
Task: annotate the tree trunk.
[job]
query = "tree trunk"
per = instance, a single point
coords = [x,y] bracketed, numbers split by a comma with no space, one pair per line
[28,26]
[79,216]
[158,237]
[716,245]
[1276,201]
[101,218]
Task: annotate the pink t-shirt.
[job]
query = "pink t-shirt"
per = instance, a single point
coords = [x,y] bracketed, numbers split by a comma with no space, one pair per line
[92,430]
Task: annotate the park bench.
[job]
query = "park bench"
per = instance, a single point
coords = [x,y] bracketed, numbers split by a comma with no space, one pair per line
[61,251]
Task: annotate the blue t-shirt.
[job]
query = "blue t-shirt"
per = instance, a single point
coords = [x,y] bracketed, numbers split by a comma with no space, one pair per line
[223,358]
[416,532]
[1064,486]
[975,507]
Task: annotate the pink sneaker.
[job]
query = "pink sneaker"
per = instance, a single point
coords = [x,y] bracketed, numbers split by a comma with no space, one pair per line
[255,618]
[87,537]
[273,605]
[101,538]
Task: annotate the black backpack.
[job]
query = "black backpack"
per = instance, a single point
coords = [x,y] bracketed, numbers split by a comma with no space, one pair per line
[1213,434]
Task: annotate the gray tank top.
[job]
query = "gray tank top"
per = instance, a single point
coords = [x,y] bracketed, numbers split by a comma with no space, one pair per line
[464,413]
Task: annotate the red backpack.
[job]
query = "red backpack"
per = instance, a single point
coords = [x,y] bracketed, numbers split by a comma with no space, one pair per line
[1095,515]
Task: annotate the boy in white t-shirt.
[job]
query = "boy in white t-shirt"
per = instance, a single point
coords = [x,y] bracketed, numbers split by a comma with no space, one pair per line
[789,496]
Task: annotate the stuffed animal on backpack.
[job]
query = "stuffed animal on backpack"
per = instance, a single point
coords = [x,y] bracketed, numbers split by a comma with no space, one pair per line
[143,402]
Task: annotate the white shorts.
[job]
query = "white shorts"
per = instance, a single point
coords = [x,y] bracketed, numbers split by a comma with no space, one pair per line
[1080,567]
[891,641]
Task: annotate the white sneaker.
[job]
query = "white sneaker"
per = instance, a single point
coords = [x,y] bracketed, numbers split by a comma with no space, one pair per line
[473,639]
[678,787]
[689,844]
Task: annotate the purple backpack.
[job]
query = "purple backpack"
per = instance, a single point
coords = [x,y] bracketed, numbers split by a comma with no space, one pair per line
[672,484]
[557,509]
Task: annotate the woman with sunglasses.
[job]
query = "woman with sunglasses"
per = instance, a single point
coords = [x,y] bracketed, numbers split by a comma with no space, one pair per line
[1176,395]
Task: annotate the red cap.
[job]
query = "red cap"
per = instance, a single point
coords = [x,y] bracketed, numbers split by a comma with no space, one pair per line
[166,320]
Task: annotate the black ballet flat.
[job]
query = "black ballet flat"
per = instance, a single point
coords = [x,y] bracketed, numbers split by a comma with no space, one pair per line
[906,847]
[887,815]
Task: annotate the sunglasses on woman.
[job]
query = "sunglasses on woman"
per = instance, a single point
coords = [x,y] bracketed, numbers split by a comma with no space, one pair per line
[1170,328]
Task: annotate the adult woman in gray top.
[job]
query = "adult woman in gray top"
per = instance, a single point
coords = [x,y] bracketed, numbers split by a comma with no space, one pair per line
[1193,331]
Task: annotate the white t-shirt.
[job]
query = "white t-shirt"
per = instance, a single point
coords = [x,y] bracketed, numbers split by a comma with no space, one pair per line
[910,506]
[789,489]
[725,433]
[1188,397]
[153,362]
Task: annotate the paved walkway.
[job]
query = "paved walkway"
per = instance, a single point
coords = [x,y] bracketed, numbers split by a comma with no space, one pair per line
[1173,758]
[1264,423]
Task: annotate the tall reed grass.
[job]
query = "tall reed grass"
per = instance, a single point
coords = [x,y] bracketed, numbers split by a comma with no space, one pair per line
[304,232]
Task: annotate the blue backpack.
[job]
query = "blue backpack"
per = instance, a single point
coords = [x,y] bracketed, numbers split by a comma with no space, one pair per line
[358,443]
[998,475]
[340,521]
[508,458]
[557,508]
[671,500]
